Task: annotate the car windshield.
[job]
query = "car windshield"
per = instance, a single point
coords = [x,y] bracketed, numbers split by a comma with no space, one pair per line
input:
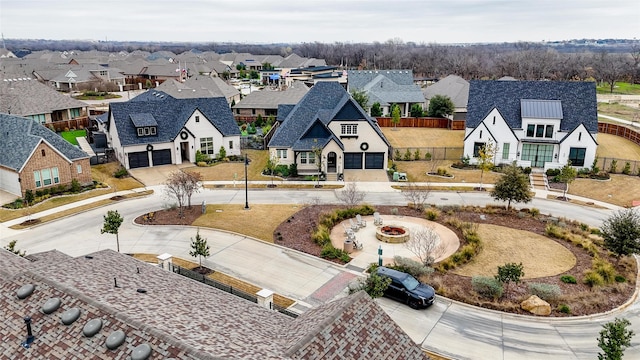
[410,283]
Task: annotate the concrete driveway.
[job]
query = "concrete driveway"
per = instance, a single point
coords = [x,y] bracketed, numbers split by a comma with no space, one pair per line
[156,175]
[6,197]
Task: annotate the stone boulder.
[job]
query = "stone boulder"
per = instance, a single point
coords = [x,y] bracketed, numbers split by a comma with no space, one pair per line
[536,306]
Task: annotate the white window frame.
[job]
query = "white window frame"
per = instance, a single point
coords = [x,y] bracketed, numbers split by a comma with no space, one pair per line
[79,168]
[55,174]
[152,130]
[140,131]
[147,132]
[349,129]
[505,150]
[45,175]
[303,158]
[36,177]
[281,153]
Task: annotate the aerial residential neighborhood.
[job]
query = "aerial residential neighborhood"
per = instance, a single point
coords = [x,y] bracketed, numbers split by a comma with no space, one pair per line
[297,181]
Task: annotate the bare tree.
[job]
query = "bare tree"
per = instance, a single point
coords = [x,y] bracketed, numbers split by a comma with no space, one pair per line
[181,185]
[416,194]
[425,244]
[350,195]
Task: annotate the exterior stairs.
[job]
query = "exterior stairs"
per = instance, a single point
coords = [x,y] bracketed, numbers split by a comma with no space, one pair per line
[538,180]
[332,177]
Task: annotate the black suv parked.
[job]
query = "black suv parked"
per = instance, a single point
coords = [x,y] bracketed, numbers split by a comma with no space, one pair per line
[407,289]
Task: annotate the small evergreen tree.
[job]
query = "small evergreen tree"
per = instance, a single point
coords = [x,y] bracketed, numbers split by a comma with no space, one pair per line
[566,176]
[395,115]
[510,272]
[621,232]
[485,158]
[512,186]
[361,97]
[614,339]
[416,110]
[199,247]
[440,106]
[376,109]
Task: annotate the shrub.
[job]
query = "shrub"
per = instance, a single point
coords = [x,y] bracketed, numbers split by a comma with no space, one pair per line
[592,278]
[427,156]
[564,308]
[330,252]
[396,155]
[534,212]
[553,172]
[222,153]
[411,266]
[627,168]
[407,155]
[416,155]
[321,235]
[201,163]
[75,186]
[568,279]
[432,214]
[620,279]
[465,160]
[554,231]
[487,286]
[121,172]
[527,170]
[547,292]
[594,166]
[200,157]
[614,166]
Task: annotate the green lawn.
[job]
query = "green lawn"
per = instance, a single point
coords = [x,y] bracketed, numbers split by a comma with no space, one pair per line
[621,88]
[71,136]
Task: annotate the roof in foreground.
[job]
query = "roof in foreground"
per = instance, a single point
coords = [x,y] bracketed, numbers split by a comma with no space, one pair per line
[176,316]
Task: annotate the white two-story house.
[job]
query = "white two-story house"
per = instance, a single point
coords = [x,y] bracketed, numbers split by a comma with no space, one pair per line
[540,124]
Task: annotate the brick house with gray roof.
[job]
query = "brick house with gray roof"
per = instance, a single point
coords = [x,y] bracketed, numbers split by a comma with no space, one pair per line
[387,87]
[174,316]
[538,124]
[33,157]
[328,118]
[155,128]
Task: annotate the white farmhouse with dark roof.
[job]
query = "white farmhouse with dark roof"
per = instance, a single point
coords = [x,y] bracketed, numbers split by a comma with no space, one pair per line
[328,118]
[541,124]
[157,129]
[387,87]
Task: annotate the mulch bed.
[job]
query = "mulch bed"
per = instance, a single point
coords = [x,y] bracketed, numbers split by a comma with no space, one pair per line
[295,233]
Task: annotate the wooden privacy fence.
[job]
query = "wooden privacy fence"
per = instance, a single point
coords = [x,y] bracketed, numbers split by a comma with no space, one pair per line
[77,123]
[605,165]
[423,122]
[437,153]
[619,130]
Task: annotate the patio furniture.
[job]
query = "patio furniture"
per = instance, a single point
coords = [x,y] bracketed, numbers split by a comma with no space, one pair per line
[354,225]
[377,220]
[362,223]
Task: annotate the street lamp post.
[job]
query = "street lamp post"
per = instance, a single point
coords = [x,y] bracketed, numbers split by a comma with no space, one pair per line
[246,183]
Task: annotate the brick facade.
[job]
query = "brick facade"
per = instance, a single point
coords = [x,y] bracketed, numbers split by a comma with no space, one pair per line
[66,171]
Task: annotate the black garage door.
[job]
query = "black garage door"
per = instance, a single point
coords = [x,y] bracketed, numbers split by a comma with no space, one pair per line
[353,160]
[138,159]
[161,157]
[374,161]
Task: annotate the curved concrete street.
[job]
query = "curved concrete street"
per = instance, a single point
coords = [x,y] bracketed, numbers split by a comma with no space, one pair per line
[449,328]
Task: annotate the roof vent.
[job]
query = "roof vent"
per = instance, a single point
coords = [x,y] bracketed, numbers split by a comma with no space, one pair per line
[141,352]
[70,316]
[27,343]
[88,257]
[51,305]
[92,327]
[115,339]
[25,291]
[142,291]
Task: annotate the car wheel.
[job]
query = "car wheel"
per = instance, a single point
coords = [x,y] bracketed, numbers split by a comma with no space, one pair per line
[414,304]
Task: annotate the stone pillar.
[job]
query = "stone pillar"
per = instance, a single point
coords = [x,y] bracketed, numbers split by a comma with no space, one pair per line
[165,261]
[265,298]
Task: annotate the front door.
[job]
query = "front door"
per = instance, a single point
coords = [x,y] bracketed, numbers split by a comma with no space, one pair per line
[331,162]
[184,151]
[538,154]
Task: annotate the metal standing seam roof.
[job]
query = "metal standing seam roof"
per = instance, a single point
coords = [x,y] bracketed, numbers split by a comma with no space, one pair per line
[541,109]
[170,114]
[578,99]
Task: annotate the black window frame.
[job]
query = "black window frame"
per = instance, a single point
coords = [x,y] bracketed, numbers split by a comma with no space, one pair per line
[574,156]
[476,148]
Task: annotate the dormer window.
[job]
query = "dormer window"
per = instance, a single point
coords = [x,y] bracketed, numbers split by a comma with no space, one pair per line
[146,131]
[349,129]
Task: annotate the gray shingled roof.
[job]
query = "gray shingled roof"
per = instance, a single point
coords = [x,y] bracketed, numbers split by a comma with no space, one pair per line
[324,101]
[20,137]
[578,101]
[453,86]
[198,87]
[30,97]
[171,114]
[386,86]
[266,99]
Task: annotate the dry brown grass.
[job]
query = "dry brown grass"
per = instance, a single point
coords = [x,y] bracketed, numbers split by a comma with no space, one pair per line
[259,222]
[235,170]
[617,110]
[540,256]
[423,137]
[104,173]
[220,277]
[79,209]
[622,188]
[417,172]
[613,146]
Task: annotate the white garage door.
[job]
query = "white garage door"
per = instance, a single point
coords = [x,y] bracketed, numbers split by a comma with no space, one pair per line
[9,182]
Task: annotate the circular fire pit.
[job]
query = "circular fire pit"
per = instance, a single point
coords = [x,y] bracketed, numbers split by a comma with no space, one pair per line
[392,234]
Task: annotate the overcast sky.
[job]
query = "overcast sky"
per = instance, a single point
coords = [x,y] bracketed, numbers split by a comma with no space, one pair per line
[295,21]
